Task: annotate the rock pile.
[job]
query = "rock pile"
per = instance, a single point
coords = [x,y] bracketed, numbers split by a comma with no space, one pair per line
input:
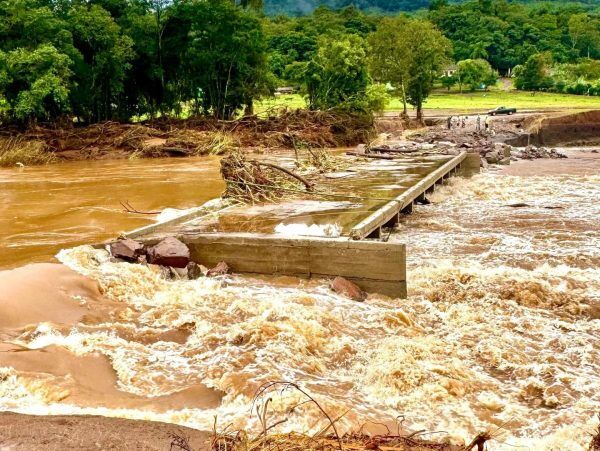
[496,153]
[532,153]
[170,254]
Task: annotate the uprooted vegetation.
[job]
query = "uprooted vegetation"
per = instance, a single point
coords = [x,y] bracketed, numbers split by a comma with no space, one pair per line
[328,438]
[254,181]
[250,181]
[18,151]
[189,137]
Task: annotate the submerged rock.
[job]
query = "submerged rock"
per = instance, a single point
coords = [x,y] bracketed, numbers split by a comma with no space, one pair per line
[194,271]
[492,157]
[169,252]
[348,289]
[178,273]
[126,249]
[221,269]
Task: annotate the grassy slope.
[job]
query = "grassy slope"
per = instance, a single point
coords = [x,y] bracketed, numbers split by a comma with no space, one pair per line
[441,100]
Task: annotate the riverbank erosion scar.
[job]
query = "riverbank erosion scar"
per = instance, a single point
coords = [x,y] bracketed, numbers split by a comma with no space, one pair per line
[563,129]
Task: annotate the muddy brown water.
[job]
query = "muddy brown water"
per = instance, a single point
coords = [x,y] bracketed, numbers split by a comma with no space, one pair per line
[499,331]
[47,208]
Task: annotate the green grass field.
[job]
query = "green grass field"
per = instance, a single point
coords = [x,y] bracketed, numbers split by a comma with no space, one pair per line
[466,102]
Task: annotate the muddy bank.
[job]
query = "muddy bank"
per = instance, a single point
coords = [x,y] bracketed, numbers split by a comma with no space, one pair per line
[57,433]
[577,129]
[579,162]
[194,136]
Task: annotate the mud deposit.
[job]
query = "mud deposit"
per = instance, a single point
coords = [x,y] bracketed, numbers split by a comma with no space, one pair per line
[500,330]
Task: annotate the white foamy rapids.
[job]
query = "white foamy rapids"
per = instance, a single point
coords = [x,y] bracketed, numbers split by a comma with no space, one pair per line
[169,214]
[499,331]
[323,230]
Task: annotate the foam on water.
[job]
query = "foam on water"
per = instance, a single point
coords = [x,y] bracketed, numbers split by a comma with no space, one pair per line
[323,230]
[499,332]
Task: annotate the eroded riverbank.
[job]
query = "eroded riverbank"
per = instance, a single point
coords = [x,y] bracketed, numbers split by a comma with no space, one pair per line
[498,332]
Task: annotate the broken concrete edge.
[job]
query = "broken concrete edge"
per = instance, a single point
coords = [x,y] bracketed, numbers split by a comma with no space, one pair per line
[213,206]
[375,266]
[387,212]
[392,284]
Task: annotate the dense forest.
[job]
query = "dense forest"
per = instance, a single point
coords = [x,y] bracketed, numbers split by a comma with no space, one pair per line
[302,7]
[123,59]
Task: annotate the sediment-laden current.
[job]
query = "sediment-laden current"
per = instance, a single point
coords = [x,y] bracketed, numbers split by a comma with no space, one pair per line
[499,332]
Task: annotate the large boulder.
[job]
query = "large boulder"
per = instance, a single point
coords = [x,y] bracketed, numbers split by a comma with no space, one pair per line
[169,252]
[126,249]
[349,289]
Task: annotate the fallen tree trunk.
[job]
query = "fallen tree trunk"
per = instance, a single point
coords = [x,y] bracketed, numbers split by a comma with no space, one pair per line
[366,155]
[306,183]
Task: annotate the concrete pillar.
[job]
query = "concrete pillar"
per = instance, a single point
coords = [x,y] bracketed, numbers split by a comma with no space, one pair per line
[470,165]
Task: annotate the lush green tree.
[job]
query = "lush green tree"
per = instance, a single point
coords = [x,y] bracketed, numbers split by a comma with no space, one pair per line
[534,75]
[144,86]
[105,58]
[289,48]
[506,33]
[254,4]
[34,84]
[337,77]
[29,24]
[428,53]
[448,81]
[221,49]
[475,74]
[390,54]
[584,33]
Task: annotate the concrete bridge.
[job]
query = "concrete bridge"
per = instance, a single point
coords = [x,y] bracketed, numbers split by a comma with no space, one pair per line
[214,234]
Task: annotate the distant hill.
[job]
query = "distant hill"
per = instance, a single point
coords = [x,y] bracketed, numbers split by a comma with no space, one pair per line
[299,7]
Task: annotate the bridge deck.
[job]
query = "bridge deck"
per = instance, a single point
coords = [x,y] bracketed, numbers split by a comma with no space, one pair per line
[244,236]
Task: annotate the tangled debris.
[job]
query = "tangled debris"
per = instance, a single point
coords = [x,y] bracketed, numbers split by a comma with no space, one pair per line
[254,181]
[197,136]
[328,438]
[17,151]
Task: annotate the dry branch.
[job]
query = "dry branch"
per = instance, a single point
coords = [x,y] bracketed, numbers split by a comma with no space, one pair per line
[309,186]
[129,209]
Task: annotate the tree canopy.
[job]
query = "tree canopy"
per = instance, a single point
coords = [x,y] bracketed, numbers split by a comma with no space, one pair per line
[126,59]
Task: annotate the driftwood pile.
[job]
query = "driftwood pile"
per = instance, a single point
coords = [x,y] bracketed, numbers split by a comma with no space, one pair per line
[142,140]
[252,181]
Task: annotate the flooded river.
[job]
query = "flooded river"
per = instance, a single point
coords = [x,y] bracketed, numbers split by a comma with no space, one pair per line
[47,208]
[499,333]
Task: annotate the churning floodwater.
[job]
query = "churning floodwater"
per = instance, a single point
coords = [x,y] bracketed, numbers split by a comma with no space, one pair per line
[499,332]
